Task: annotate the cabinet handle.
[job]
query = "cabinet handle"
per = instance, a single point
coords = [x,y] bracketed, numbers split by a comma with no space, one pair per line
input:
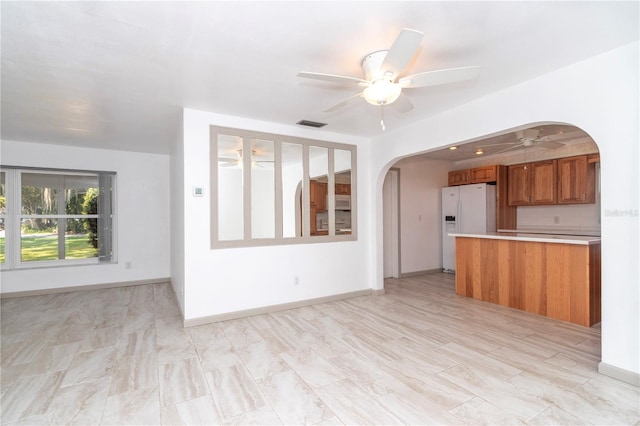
[584,196]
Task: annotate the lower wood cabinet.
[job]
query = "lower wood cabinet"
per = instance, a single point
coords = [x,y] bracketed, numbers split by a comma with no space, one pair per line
[558,280]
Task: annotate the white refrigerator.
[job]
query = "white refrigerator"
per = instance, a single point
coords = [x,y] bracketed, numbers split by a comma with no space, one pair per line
[468,209]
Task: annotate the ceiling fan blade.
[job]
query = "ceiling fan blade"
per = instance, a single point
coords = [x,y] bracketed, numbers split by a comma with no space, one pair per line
[508,149]
[344,103]
[227,160]
[561,136]
[434,78]
[333,78]
[235,163]
[401,51]
[550,144]
[498,144]
[402,104]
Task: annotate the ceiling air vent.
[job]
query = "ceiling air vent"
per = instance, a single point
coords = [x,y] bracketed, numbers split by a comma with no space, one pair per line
[311,123]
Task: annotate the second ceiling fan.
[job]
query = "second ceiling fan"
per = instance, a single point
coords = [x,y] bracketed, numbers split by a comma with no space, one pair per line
[382,71]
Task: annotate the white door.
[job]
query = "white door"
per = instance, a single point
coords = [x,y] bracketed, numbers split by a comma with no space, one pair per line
[449,219]
[473,208]
[391,225]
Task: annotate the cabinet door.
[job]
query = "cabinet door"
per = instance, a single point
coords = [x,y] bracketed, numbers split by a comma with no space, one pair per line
[483,174]
[343,189]
[313,192]
[518,194]
[321,196]
[458,177]
[543,182]
[576,183]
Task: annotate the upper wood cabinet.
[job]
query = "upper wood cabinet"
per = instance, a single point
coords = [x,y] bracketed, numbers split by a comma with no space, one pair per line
[543,182]
[519,186]
[321,196]
[343,189]
[459,177]
[532,183]
[483,174]
[576,180]
[478,175]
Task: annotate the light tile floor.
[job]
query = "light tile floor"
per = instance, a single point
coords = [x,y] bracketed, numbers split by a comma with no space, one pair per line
[417,355]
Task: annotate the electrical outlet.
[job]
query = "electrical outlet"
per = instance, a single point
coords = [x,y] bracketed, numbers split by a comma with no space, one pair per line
[128,265]
[556,219]
[296,280]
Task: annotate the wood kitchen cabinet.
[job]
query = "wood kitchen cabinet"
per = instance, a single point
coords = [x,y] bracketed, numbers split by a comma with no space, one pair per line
[321,196]
[576,180]
[483,174]
[343,189]
[459,177]
[533,183]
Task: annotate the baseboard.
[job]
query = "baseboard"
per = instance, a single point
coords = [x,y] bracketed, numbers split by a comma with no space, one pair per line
[191,322]
[619,374]
[175,296]
[377,292]
[46,291]
[417,273]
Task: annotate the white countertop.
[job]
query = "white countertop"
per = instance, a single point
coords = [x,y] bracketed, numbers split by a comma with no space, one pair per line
[541,238]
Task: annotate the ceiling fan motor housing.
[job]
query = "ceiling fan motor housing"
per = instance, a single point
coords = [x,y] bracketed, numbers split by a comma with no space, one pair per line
[371,65]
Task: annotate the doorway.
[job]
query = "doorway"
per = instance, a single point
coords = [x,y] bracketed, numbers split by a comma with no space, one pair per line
[391,223]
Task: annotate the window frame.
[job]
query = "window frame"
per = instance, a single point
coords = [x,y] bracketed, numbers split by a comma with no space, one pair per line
[247,241]
[14,216]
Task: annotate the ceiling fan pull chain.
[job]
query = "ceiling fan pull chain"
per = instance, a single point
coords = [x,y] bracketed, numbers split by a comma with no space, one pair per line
[382,117]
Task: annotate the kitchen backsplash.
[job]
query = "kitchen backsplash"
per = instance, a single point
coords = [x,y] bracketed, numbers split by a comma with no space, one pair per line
[574,218]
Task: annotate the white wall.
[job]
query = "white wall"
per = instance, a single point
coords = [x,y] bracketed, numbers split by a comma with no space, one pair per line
[600,96]
[421,181]
[178,194]
[142,188]
[229,280]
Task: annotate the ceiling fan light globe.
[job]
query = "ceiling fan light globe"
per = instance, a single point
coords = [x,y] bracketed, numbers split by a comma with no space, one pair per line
[382,92]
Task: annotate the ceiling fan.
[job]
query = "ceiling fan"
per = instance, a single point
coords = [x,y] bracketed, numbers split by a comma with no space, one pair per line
[237,162]
[533,137]
[382,69]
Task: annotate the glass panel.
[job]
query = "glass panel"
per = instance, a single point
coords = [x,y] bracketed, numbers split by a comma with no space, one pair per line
[81,239]
[342,165]
[291,189]
[81,194]
[40,193]
[39,240]
[263,197]
[1,239]
[230,188]
[3,211]
[318,171]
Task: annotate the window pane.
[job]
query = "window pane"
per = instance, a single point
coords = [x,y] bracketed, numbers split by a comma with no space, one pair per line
[40,193]
[318,171]
[230,188]
[291,187]
[39,240]
[342,164]
[3,211]
[263,195]
[81,239]
[81,194]
[1,239]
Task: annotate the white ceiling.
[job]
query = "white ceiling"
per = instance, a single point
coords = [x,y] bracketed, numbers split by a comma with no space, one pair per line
[117,74]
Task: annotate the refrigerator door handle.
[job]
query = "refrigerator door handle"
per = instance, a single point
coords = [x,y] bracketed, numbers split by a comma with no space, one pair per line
[459,217]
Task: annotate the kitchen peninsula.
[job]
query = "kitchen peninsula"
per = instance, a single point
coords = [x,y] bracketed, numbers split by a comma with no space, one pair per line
[553,275]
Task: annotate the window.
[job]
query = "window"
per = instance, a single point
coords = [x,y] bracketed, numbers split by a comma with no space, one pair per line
[54,217]
[271,189]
